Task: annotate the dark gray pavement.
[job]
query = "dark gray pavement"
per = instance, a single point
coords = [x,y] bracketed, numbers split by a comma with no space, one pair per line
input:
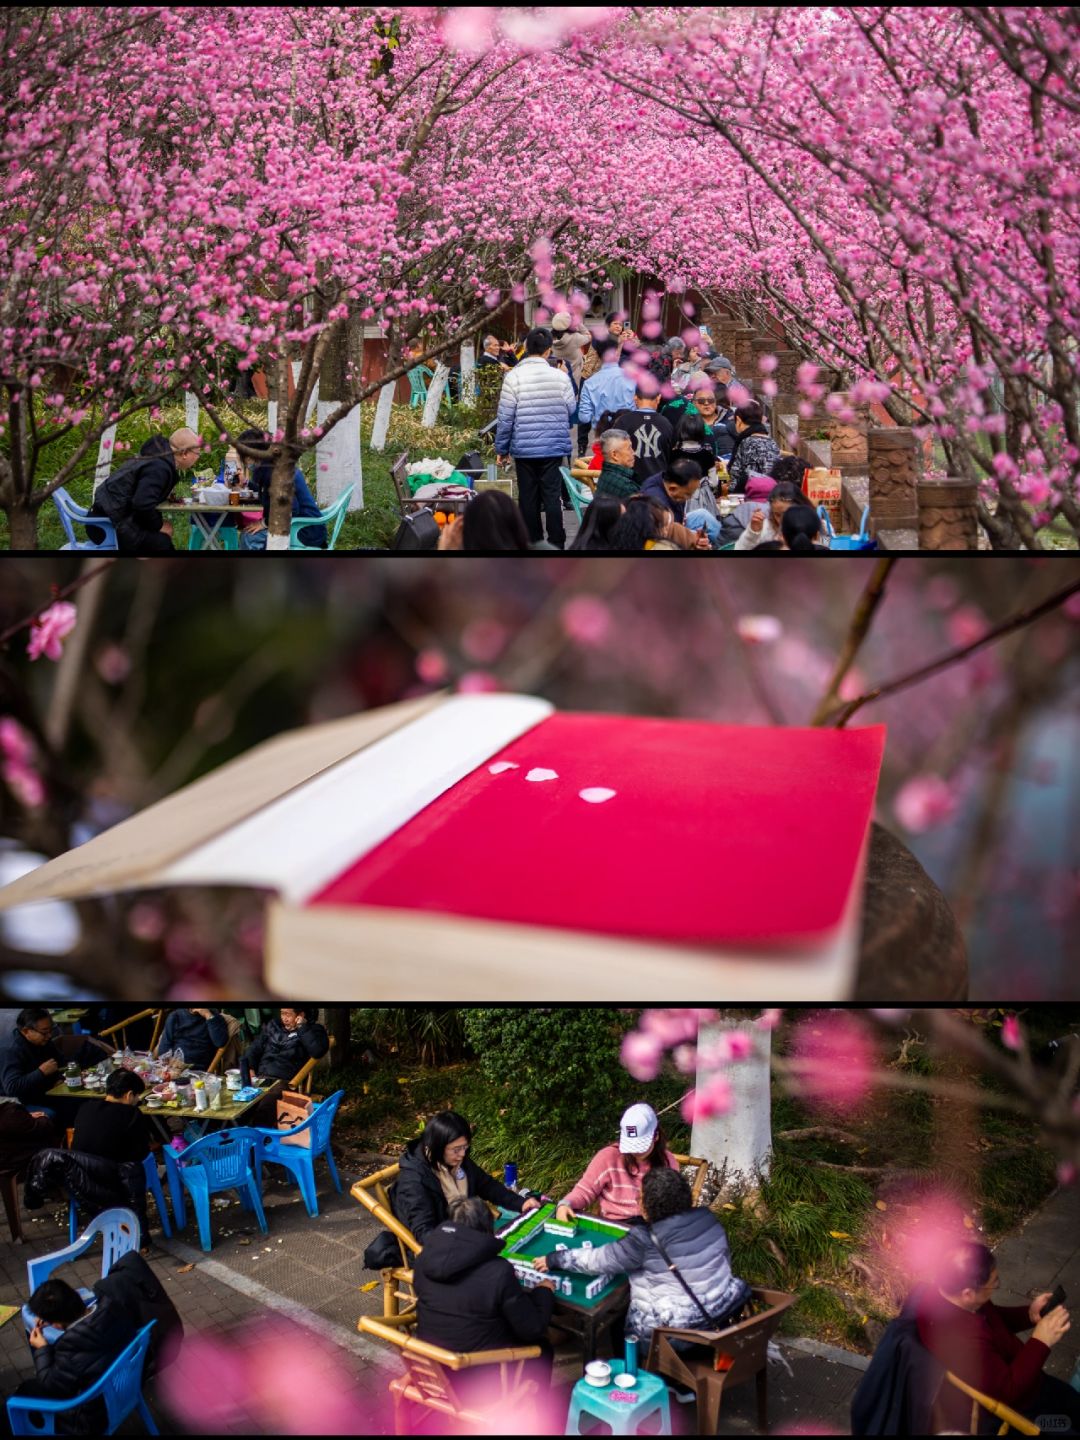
[304,1282]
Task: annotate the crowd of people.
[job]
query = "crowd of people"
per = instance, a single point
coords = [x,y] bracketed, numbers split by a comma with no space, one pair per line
[672,447]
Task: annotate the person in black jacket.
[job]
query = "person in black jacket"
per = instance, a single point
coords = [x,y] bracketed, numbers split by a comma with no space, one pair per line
[136,1290]
[90,1342]
[469,1298]
[31,1064]
[198,1032]
[436,1170]
[114,1128]
[23,1133]
[132,493]
[284,1046]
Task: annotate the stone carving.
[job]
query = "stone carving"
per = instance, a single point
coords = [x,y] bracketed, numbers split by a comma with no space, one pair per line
[894,460]
[948,514]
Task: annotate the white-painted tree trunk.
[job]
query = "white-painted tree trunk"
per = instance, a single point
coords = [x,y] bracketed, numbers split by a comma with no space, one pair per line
[738,1143]
[434,395]
[277,542]
[191,410]
[383,412]
[338,457]
[271,416]
[106,447]
[468,373]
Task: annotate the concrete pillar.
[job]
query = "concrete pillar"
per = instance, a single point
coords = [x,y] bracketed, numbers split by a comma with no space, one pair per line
[948,514]
[894,461]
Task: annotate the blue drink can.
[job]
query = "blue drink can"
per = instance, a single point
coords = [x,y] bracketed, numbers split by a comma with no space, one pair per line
[510,1175]
[631,1355]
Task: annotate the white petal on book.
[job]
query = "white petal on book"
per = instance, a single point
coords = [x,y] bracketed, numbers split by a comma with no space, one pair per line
[542,775]
[500,766]
[596,795]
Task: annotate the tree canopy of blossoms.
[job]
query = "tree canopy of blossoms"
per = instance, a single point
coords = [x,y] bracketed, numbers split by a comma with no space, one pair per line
[188,190]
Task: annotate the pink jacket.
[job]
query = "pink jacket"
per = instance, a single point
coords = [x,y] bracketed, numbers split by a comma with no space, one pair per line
[606,1179]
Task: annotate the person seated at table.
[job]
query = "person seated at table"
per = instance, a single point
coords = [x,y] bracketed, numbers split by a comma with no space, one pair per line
[764,523]
[978,1341]
[436,1170]
[89,1342]
[257,475]
[131,495]
[644,525]
[693,441]
[616,476]
[490,522]
[800,534]
[114,1127]
[673,1233]
[495,353]
[673,488]
[31,1064]
[23,1133]
[598,522]
[286,1044]
[198,1032]
[468,1298]
[615,1174]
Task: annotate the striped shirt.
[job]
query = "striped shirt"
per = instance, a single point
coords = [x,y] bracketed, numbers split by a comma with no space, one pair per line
[607,1180]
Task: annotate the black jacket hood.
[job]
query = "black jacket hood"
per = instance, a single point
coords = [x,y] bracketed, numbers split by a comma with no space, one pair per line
[451,1251]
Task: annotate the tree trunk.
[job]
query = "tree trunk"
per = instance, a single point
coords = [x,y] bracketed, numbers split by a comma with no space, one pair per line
[383,412]
[191,410]
[106,453]
[468,373]
[337,456]
[282,490]
[738,1143]
[338,1022]
[22,525]
[435,394]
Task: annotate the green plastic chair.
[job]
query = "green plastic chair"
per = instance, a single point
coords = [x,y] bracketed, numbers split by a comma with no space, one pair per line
[731,546]
[333,519]
[419,377]
[581,496]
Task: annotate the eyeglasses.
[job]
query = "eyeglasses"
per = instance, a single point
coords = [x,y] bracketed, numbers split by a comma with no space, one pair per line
[459,1149]
[45,1034]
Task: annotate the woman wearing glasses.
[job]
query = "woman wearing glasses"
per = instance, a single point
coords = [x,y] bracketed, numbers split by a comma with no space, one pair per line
[436,1170]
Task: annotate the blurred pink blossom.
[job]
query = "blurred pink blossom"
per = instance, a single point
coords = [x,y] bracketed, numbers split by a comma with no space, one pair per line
[113,664]
[966,625]
[836,1055]
[711,1098]
[1010,1033]
[483,641]
[25,784]
[670,1026]
[769,1019]
[1066,1173]
[50,629]
[924,802]
[642,1055]
[921,1239]
[586,619]
[758,629]
[15,742]
[432,667]
[477,682]
[146,921]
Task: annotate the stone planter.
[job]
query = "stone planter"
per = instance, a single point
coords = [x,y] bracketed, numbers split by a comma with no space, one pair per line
[895,467]
[948,514]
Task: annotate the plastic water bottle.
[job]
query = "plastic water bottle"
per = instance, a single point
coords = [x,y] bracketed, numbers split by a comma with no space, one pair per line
[631,1355]
[510,1175]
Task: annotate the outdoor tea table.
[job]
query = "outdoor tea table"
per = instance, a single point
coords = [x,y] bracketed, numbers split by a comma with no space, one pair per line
[583,1315]
[200,1120]
[200,515]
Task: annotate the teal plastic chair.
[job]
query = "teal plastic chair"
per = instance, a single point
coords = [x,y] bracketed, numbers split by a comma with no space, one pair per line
[119,1231]
[227,536]
[153,1185]
[120,1388]
[219,1161]
[278,1147]
[625,1416]
[333,519]
[581,497]
[419,378]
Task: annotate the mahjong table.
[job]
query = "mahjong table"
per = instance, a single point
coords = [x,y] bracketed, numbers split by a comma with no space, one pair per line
[584,1304]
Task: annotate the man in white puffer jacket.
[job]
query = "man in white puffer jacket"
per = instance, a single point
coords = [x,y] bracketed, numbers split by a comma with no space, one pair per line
[533,426]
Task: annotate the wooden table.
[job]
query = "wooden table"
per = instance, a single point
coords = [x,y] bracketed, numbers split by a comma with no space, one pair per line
[196,514]
[227,1114]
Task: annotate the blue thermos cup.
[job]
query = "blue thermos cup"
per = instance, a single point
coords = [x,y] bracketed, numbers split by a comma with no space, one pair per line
[631,1355]
[510,1175]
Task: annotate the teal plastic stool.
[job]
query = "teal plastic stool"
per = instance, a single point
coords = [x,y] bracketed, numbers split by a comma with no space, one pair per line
[623,1410]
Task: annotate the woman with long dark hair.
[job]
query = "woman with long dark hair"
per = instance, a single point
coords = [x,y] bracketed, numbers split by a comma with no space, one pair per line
[436,1170]
[614,1175]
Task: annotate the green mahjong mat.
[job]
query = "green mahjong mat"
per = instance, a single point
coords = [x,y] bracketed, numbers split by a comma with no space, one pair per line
[539,1233]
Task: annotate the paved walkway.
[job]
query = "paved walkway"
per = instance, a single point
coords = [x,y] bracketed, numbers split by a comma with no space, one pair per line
[303,1284]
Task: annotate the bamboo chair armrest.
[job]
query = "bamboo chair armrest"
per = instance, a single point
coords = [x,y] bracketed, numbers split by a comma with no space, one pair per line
[998,1408]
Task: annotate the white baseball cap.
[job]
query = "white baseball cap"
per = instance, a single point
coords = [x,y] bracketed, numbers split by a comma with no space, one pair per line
[637,1130]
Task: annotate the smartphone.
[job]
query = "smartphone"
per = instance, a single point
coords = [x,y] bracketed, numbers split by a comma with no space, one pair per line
[1056,1299]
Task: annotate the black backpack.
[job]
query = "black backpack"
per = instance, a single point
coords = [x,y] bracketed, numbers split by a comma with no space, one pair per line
[417,531]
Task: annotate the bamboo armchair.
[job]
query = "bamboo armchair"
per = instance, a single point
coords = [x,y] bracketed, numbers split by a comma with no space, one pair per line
[121,1027]
[745,1344]
[1010,1419]
[302,1079]
[427,1382]
[701,1169]
[399,1297]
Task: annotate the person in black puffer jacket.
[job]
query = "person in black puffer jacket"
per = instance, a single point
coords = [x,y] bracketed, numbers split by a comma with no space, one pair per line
[90,1342]
[284,1046]
[469,1298]
[436,1169]
[94,1182]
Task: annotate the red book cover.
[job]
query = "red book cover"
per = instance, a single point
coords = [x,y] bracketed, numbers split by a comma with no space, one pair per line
[669,830]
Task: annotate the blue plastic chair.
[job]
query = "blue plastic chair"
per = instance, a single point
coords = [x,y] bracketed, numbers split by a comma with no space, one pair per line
[119,1231]
[333,518]
[72,515]
[120,1388]
[153,1184]
[275,1147]
[861,541]
[219,1161]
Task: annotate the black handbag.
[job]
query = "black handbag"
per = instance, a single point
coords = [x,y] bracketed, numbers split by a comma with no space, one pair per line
[418,531]
[712,1322]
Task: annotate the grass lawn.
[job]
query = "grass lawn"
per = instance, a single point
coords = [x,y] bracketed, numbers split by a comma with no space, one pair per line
[811,1230]
[373,526]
